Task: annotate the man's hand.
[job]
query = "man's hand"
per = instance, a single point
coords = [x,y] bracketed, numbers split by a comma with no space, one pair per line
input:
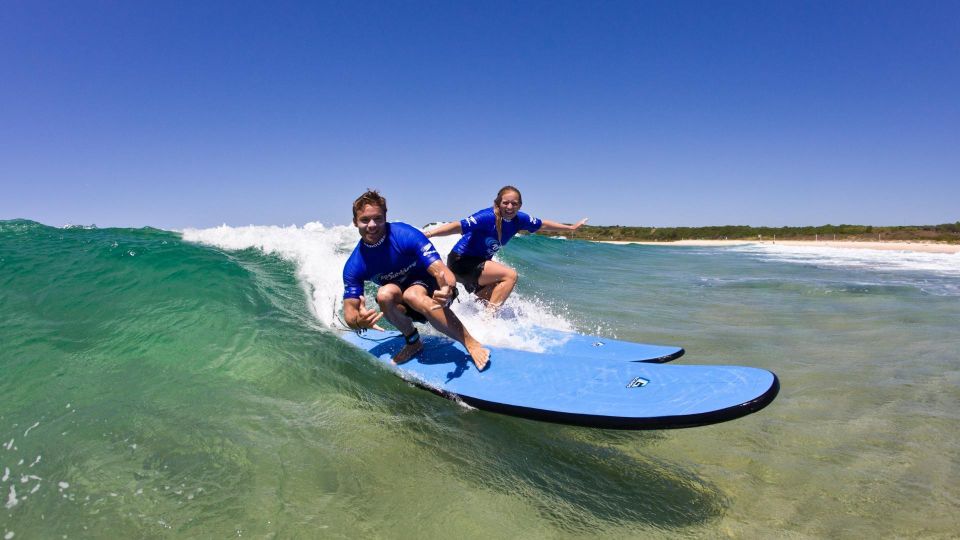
[367,318]
[443,296]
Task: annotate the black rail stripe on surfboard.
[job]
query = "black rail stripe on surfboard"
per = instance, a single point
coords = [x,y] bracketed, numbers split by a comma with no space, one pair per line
[612,422]
[663,359]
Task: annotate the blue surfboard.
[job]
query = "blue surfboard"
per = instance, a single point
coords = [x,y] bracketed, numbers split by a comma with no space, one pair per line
[571,344]
[572,385]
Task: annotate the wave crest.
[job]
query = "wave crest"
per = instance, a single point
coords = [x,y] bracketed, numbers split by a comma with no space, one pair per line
[319,253]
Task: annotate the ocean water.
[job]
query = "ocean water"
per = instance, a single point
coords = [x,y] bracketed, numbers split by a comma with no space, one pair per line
[160,384]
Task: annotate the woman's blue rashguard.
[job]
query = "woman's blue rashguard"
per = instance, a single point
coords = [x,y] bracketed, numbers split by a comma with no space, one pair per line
[402,256]
[480,233]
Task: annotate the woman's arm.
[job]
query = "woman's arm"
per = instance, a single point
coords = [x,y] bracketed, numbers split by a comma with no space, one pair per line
[445,230]
[554,226]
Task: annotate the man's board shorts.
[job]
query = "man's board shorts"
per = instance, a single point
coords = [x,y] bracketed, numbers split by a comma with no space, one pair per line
[467,269]
[412,313]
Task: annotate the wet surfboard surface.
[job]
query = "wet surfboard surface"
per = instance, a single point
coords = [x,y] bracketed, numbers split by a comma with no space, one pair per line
[615,384]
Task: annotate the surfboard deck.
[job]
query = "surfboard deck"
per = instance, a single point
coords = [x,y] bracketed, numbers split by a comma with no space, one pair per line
[572,344]
[569,386]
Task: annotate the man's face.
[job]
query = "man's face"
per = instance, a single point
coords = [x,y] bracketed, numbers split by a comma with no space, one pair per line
[371,223]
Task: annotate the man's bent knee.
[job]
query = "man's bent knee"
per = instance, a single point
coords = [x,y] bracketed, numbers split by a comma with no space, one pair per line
[415,296]
[388,294]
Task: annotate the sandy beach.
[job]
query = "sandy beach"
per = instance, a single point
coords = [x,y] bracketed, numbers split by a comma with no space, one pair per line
[926,247]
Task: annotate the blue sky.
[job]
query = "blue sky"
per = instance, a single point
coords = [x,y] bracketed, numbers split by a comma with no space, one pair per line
[193,114]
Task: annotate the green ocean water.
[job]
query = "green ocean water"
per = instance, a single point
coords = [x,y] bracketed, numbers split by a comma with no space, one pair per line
[160,384]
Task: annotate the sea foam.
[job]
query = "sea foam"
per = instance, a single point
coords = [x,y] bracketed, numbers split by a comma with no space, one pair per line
[942,264]
[319,253]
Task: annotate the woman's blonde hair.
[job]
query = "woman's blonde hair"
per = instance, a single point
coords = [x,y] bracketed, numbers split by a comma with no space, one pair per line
[496,207]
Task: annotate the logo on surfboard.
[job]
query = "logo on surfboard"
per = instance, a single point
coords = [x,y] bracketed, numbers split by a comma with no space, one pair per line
[638,382]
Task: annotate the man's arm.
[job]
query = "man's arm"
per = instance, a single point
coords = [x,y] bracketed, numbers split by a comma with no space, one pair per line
[445,230]
[358,317]
[548,225]
[446,282]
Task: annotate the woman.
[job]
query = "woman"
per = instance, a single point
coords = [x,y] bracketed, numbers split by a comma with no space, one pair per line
[484,233]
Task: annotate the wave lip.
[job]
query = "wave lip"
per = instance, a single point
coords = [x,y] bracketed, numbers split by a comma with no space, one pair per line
[319,254]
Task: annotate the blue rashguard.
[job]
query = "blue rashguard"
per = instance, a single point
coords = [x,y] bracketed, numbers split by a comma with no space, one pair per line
[402,256]
[480,233]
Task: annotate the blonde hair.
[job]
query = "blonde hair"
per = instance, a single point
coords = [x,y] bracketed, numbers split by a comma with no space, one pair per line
[496,208]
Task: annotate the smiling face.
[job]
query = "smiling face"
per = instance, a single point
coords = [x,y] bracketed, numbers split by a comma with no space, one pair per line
[508,203]
[371,223]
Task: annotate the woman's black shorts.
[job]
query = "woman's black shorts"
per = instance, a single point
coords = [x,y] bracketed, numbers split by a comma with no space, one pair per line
[467,269]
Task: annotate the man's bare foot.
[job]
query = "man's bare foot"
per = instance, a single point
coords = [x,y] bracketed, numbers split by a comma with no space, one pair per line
[408,351]
[478,354]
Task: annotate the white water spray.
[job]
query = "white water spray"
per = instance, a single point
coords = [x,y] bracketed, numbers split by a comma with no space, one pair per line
[320,252]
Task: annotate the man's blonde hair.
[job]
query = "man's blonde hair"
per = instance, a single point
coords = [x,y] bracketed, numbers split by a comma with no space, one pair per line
[371,197]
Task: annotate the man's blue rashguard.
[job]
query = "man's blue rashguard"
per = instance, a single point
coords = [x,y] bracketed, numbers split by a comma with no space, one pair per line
[480,233]
[402,256]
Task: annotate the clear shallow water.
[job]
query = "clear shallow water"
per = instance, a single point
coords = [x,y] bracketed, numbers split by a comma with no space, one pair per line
[157,384]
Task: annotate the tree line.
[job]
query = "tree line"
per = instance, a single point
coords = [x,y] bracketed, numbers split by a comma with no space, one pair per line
[948,232]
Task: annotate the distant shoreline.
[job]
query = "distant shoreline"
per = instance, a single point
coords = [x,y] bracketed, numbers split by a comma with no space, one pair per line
[919,246]
[947,233]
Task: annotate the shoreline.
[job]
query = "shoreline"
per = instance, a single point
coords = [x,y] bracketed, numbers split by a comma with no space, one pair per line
[919,246]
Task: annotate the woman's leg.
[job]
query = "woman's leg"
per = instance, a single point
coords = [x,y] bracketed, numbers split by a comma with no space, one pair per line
[496,283]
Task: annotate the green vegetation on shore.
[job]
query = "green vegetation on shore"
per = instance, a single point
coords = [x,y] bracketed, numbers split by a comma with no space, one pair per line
[949,232]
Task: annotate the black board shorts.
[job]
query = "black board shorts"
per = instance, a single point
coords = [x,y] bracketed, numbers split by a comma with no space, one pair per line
[412,313]
[467,269]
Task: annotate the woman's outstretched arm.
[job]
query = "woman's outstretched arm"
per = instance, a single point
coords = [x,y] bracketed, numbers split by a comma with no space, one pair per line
[445,230]
[554,226]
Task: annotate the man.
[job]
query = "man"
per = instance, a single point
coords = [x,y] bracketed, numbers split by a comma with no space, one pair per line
[414,283]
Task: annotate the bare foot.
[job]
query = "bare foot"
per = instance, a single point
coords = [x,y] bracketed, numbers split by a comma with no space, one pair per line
[408,351]
[478,354]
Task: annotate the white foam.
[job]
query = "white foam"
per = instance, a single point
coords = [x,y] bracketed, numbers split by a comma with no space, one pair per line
[320,252]
[940,264]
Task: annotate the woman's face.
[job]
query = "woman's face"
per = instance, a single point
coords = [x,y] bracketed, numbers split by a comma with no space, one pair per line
[509,204]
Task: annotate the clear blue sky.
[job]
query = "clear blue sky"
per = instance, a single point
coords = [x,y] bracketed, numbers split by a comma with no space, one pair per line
[197,113]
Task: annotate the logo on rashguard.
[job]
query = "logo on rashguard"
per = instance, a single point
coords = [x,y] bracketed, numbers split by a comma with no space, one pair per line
[394,276]
[638,382]
[472,220]
[492,246]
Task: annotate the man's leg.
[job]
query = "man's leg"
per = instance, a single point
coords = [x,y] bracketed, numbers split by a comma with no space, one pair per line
[390,297]
[496,283]
[445,321]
